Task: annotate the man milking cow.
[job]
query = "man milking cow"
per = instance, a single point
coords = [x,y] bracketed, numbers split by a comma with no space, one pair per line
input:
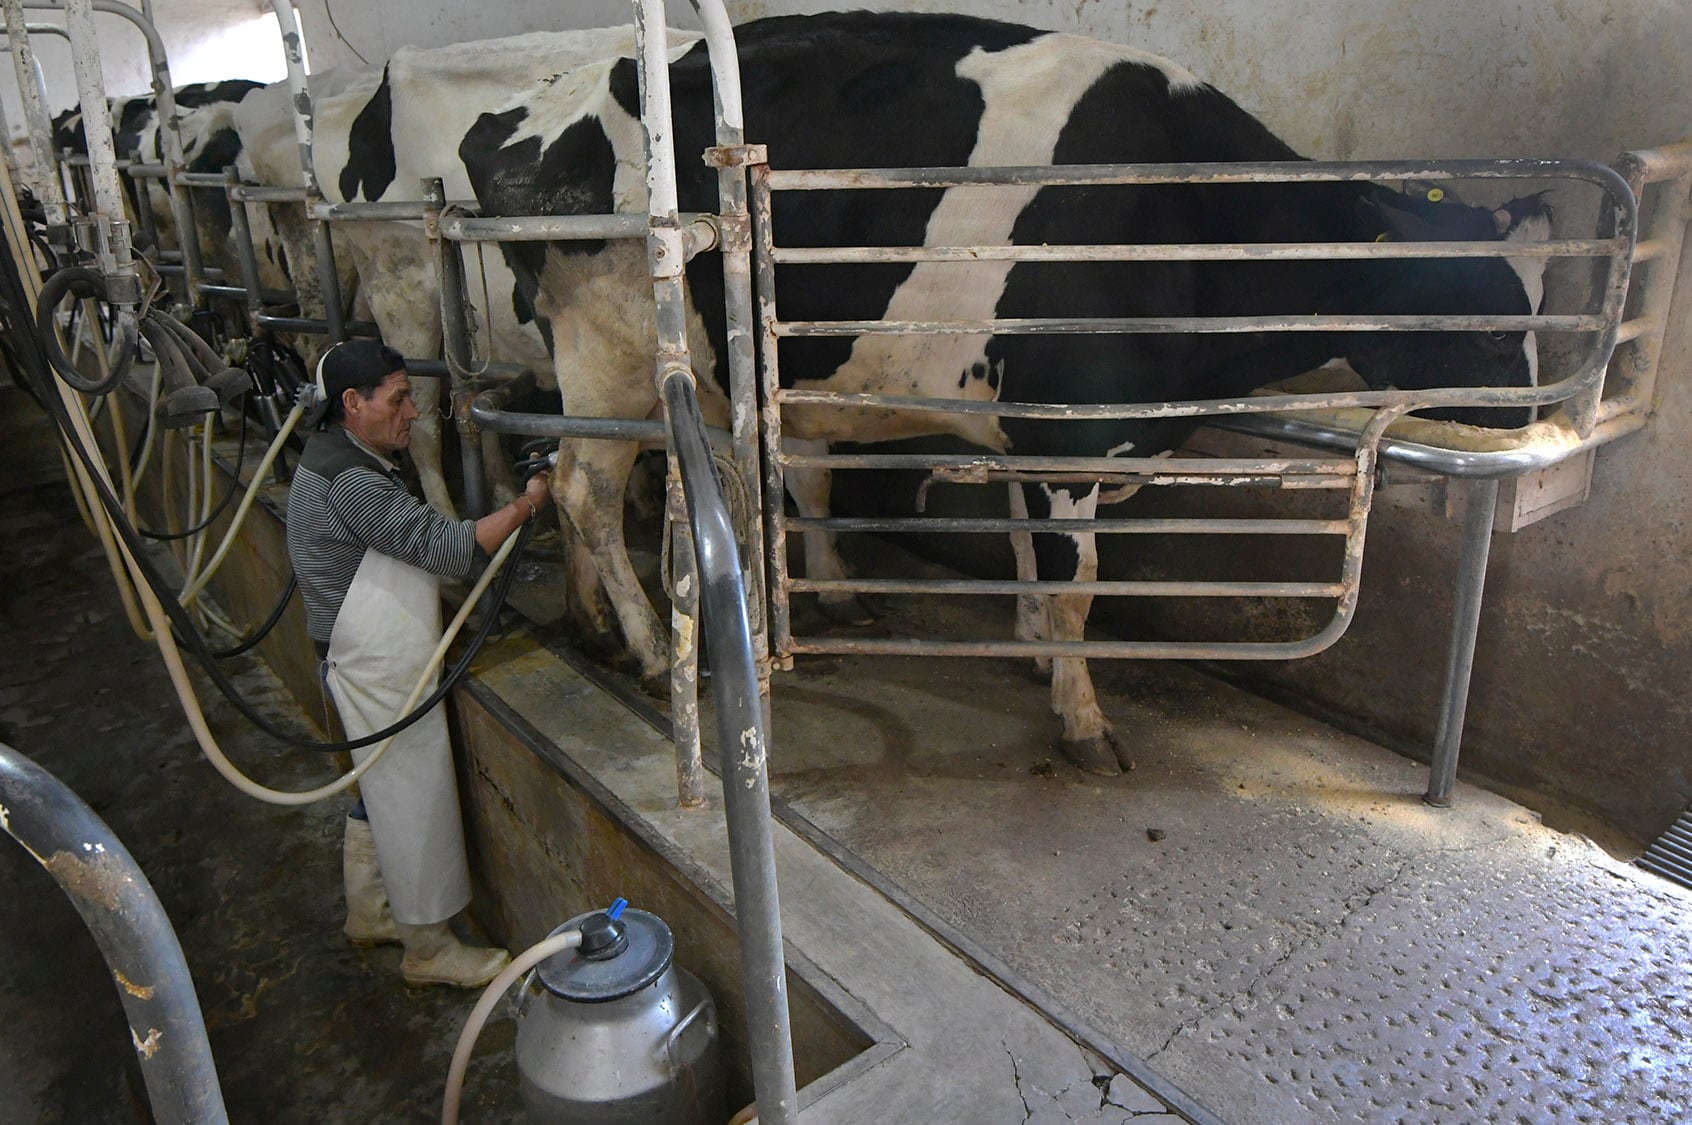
[369,556]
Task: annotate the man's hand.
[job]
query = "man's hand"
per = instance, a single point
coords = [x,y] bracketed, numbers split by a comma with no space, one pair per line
[536,491]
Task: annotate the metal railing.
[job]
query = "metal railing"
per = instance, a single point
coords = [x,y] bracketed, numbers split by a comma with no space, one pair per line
[1598,323]
[122,912]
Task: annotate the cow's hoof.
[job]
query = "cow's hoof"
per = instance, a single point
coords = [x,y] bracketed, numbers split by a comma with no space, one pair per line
[847,610]
[1104,755]
[1093,755]
[658,686]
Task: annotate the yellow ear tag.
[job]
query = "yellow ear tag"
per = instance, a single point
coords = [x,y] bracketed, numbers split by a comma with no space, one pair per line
[1435,195]
[1384,236]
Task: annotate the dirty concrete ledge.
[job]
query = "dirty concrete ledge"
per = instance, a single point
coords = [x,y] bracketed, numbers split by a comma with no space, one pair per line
[949,1043]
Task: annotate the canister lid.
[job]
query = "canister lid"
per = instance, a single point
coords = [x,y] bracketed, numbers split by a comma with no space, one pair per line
[619,957]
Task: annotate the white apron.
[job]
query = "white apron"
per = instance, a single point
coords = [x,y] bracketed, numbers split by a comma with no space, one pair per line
[385,633]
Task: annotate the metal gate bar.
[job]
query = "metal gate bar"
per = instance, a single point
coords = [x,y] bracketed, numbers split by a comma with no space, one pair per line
[1598,324]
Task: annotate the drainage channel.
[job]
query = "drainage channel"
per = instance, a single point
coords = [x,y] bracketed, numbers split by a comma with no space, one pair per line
[956,940]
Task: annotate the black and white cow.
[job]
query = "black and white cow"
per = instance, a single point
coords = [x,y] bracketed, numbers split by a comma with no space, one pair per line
[378,138]
[205,111]
[893,90]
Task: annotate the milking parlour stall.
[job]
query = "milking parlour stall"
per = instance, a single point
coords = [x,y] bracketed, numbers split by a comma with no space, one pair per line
[1040,496]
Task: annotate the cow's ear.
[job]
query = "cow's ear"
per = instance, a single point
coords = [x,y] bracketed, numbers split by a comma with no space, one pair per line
[1400,223]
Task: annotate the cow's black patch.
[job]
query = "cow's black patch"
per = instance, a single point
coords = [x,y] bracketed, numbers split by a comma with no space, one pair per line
[208,93]
[895,100]
[574,175]
[219,151]
[370,147]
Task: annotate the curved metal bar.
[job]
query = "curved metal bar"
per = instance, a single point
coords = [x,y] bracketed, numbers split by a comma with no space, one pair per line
[488,411]
[123,913]
[743,741]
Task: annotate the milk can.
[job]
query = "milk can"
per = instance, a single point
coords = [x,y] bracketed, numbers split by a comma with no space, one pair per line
[614,1032]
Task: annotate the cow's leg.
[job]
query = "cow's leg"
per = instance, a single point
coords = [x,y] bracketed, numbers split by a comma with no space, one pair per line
[1033,611]
[809,488]
[502,482]
[589,485]
[1088,738]
[425,444]
[403,298]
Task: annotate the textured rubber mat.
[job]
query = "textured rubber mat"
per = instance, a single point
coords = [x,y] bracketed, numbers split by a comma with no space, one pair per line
[1671,855]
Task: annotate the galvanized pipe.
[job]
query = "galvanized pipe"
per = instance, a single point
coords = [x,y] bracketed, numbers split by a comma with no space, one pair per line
[264,193]
[1198,252]
[455,340]
[293,50]
[742,734]
[488,409]
[1660,247]
[1220,172]
[731,157]
[328,280]
[169,123]
[769,412]
[1000,526]
[397,209]
[40,89]
[123,914]
[684,641]
[1124,325]
[244,250]
[1465,625]
[961,466]
[40,178]
[1107,587]
[743,741]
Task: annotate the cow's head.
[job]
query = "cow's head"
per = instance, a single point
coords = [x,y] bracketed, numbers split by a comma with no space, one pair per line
[1467,286]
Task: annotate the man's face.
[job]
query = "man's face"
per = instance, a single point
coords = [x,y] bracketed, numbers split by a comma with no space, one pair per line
[382,421]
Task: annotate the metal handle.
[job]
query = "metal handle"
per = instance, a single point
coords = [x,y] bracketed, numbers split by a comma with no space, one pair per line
[682,1025]
[520,1002]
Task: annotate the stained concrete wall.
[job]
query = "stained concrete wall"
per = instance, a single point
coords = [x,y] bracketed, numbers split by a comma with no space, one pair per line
[1585,640]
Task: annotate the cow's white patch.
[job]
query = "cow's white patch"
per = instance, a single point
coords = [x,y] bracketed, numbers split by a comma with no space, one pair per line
[1029,92]
[1531,271]
[1066,507]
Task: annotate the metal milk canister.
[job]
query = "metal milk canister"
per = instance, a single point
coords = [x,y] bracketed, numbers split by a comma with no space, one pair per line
[615,1032]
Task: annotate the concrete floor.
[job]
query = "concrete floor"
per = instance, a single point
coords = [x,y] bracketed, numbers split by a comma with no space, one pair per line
[1264,910]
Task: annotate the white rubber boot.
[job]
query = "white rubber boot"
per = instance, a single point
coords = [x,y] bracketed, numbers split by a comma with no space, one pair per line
[369,921]
[434,955]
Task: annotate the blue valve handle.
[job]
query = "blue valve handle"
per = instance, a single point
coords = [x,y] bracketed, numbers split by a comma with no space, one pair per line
[615,911]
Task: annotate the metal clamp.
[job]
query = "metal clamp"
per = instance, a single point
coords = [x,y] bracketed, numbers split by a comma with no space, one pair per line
[736,156]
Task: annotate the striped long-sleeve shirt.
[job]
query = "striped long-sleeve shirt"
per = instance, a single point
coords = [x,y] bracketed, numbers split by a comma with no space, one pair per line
[344,499]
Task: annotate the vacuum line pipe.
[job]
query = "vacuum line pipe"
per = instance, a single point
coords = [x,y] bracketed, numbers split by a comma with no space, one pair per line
[123,914]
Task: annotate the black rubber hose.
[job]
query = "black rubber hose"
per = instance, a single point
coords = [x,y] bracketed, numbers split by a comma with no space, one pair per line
[181,624]
[80,282]
[183,627]
[263,630]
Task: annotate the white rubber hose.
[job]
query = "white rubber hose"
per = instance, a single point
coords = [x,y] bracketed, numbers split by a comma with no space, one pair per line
[247,499]
[166,641]
[231,773]
[523,962]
